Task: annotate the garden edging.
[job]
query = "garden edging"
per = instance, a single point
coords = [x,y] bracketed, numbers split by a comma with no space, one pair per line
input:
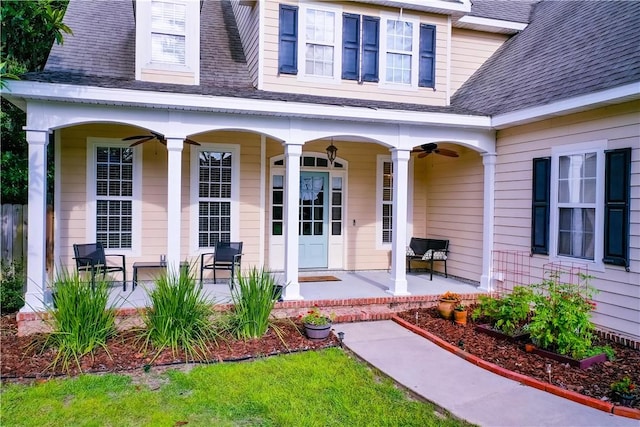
[567,394]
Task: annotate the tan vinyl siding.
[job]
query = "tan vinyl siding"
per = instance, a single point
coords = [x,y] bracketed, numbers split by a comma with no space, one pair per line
[247,19]
[348,88]
[469,50]
[453,190]
[618,303]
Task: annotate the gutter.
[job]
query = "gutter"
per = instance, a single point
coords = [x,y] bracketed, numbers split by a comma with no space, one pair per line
[19,91]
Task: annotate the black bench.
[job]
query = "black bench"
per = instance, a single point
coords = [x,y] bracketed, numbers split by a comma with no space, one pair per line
[431,250]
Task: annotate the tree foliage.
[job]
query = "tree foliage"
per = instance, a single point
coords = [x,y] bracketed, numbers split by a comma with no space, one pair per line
[29,29]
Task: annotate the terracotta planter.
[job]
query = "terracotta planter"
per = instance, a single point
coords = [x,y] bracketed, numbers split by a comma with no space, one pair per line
[317,332]
[460,317]
[445,308]
[529,347]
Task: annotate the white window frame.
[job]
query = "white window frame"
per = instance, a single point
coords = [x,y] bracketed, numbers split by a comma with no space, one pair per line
[337,43]
[597,147]
[415,51]
[144,30]
[136,205]
[169,31]
[380,161]
[194,214]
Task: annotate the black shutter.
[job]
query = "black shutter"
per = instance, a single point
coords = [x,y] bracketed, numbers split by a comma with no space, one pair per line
[350,46]
[616,206]
[540,206]
[427,67]
[370,48]
[288,50]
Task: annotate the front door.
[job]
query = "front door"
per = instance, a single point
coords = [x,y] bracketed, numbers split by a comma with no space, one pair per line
[314,220]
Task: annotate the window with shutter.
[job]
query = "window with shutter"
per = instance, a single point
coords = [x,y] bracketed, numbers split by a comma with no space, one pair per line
[540,206]
[427,64]
[360,47]
[288,48]
[350,46]
[616,211]
[370,48]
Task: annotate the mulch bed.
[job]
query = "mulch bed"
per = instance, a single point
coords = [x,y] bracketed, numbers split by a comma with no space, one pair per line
[594,381]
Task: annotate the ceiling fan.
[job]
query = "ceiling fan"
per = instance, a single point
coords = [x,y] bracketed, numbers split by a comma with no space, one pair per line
[426,149]
[153,135]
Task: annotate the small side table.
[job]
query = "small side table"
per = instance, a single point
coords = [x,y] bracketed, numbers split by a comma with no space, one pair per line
[149,265]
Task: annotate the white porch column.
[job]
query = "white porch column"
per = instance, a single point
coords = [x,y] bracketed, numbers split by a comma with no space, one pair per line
[400,160]
[489,162]
[174,201]
[292,152]
[37,215]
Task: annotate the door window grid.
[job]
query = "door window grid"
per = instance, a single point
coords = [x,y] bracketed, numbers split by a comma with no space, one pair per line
[311,206]
[168,32]
[214,192]
[577,178]
[277,205]
[320,43]
[387,202]
[336,206]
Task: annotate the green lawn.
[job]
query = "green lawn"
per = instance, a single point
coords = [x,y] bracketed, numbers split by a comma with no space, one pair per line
[326,388]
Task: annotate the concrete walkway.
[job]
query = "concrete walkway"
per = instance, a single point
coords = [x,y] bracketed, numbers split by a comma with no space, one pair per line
[466,390]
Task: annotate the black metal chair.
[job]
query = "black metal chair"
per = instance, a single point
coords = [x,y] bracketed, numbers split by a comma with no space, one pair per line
[227,256]
[90,257]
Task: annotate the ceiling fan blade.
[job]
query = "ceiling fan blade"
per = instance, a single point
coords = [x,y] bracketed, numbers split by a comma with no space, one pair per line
[157,135]
[448,153]
[148,138]
[191,141]
[424,154]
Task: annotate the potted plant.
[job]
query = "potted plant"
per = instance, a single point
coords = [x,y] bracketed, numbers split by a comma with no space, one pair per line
[460,314]
[447,302]
[317,325]
[624,391]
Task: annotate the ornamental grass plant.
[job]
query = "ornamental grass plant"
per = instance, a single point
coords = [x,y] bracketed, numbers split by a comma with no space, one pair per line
[82,319]
[253,297]
[180,316]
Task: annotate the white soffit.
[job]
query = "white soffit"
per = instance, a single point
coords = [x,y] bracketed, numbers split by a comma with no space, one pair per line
[625,93]
[174,101]
[434,6]
[489,25]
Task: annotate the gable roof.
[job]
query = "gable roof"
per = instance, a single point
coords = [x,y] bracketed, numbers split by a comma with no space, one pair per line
[506,10]
[570,48]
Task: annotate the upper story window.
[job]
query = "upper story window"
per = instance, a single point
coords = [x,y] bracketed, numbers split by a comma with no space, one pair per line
[168,25]
[320,40]
[168,41]
[401,49]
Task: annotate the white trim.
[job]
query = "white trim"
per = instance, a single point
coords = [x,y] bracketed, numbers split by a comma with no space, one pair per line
[261,30]
[57,202]
[489,24]
[380,160]
[449,48]
[176,101]
[263,198]
[136,204]
[194,215]
[441,6]
[618,94]
[598,147]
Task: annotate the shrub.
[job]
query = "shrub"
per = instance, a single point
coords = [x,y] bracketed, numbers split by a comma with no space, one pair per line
[562,321]
[12,286]
[179,316]
[82,321]
[509,314]
[253,298]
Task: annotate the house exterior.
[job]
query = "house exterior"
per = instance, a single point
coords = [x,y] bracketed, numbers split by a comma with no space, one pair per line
[541,108]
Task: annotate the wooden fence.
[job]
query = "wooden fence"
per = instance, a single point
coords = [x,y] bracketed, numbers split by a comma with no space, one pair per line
[13,233]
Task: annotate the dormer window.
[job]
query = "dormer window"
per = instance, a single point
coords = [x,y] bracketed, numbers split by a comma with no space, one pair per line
[168,32]
[168,41]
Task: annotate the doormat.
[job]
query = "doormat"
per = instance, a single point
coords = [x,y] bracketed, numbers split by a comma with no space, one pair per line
[302,279]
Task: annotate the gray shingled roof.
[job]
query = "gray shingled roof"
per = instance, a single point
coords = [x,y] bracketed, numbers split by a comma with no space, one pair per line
[507,10]
[570,48]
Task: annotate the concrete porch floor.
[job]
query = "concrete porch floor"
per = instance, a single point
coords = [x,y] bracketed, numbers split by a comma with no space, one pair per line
[352,285]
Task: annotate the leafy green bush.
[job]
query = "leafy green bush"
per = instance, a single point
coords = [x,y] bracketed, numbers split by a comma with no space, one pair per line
[253,298]
[81,318]
[562,321]
[509,314]
[179,316]
[12,286]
